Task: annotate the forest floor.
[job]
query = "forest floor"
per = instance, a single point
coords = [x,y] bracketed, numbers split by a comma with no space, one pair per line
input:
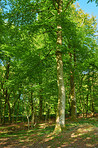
[80,134]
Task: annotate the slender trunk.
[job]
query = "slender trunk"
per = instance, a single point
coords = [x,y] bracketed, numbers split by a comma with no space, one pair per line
[80,94]
[3,106]
[40,91]
[40,97]
[9,110]
[3,119]
[28,121]
[32,111]
[0,110]
[13,110]
[73,99]
[93,96]
[47,112]
[80,106]
[6,95]
[6,90]
[60,118]
[87,96]
[93,107]
[13,107]
[17,111]
[72,87]
[69,110]
[32,119]
[40,107]
[87,105]
[1,101]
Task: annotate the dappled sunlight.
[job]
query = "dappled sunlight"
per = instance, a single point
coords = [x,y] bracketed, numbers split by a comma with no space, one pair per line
[75,135]
[81,131]
[48,137]
[41,126]
[44,125]
[3,141]
[48,146]
[88,138]
[90,145]
[85,130]
[65,144]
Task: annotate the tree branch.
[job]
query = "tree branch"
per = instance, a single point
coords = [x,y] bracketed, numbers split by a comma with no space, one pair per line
[68,5]
[55,4]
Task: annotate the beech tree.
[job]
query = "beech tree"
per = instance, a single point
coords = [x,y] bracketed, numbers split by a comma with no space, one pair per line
[40,37]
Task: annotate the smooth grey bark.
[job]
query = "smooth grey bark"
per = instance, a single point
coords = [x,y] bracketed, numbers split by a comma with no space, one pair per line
[60,118]
[61,92]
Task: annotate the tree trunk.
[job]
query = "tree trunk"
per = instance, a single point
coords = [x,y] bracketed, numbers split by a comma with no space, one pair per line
[61,92]
[72,87]
[60,118]
[3,119]
[87,105]
[87,95]
[32,119]
[48,114]
[17,111]
[73,99]
[9,111]
[6,95]
[0,110]
[40,96]
[28,121]
[40,107]
[14,105]
[32,111]
[6,90]
[93,95]
[83,107]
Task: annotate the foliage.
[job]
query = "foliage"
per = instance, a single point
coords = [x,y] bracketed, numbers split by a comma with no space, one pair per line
[28,43]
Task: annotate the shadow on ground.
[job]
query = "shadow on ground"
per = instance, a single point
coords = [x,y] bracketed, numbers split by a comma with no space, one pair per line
[81,134]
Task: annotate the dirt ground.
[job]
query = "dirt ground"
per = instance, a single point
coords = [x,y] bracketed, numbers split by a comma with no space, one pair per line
[80,134]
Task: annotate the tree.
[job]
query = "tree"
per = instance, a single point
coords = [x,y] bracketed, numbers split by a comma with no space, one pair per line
[49,30]
[37,6]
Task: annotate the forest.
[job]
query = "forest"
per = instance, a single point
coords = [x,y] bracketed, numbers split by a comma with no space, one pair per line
[48,71]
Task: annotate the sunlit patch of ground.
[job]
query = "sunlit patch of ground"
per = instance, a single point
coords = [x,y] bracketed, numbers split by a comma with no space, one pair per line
[80,134]
[82,130]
